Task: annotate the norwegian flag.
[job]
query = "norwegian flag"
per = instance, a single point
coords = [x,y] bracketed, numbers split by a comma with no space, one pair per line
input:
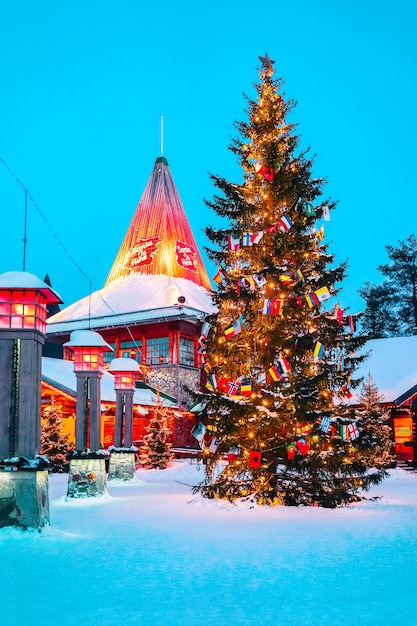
[232,388]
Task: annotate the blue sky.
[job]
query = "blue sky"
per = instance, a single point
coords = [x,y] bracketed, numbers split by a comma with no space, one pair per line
[84,84]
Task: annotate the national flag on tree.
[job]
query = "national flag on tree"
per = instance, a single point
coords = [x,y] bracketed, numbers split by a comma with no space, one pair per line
[255,458]
[323,294]
[246,388]
[312,299]
[353,431]
[318,350]
[309,209]
[218,278]
[274,373]
[325,423]
[351,323]
[247,239]
[229,331]
[338,313]
[320,234]
[284,223]
[285,366]
[232,388]
[198,432]
[272,307]
[233,243]
[326,213]
[344,432]
[260,280]
[256,237]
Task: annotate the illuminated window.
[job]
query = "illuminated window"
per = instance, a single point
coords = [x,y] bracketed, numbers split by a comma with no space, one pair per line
[157,351]
[186,352]
[131,350]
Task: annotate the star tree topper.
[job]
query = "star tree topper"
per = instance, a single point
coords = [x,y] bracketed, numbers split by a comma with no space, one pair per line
[267,63]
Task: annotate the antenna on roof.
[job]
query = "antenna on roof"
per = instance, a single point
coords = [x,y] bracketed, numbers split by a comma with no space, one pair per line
[162,134]
[24,230]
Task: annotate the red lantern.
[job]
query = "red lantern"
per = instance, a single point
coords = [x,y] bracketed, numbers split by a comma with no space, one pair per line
[23,301]
[89,348]
[125,371]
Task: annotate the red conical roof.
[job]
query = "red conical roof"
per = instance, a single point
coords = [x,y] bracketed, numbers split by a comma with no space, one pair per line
[159,240]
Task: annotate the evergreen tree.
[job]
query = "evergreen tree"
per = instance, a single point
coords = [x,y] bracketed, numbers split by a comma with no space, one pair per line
[391,308]
[376,435]
[55,443]
[156,451]
[278,351]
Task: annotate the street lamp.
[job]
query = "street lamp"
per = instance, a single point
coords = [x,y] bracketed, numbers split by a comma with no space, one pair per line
[89,348]
[125,371]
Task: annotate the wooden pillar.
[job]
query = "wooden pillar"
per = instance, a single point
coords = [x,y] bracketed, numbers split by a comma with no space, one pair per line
[128,430]
[95,412]
[118,420]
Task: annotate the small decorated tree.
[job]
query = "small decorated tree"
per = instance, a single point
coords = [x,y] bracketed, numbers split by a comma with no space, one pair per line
[156,451]
[55,443]
[376,436]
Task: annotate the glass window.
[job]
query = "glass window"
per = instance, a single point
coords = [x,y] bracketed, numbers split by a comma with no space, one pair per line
[131,350]
[108,356]
[186,351]
[157,351]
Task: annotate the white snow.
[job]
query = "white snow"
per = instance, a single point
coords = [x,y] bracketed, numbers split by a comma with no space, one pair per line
[26,280]
[151,553]
[137,298]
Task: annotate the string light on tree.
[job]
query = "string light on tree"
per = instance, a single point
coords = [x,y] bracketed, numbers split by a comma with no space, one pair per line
[289,325]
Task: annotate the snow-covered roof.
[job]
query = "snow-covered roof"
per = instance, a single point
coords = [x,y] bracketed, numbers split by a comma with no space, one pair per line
[392,363]
[26,280]
[60,373]
[87,338]
[136,298]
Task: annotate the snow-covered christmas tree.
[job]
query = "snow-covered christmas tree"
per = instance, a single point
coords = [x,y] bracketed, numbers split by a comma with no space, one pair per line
[55,443]
[156,451]
[280,353]
[376,435]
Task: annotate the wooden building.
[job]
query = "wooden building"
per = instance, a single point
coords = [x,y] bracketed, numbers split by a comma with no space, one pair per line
[392,364]
[153,303]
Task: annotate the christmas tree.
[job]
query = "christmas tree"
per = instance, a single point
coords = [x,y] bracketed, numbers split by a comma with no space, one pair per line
[280,353]
[376,435]
[55,443]
[156,451]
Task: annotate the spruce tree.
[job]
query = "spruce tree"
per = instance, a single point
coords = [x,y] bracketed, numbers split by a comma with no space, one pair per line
[280,353]
[391,308]
[376,436]
[156,451]
[55,443]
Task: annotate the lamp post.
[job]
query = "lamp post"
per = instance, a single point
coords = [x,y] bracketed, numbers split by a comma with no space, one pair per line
[122,463]
[87,473]
[24,299]
[88,347]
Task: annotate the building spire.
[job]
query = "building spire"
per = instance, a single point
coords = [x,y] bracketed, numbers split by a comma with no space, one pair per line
[159,240]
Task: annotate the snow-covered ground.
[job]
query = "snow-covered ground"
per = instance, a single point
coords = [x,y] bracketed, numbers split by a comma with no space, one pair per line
[152,553]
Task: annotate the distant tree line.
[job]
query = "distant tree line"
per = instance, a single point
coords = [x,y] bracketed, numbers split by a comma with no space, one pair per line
[391,307]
